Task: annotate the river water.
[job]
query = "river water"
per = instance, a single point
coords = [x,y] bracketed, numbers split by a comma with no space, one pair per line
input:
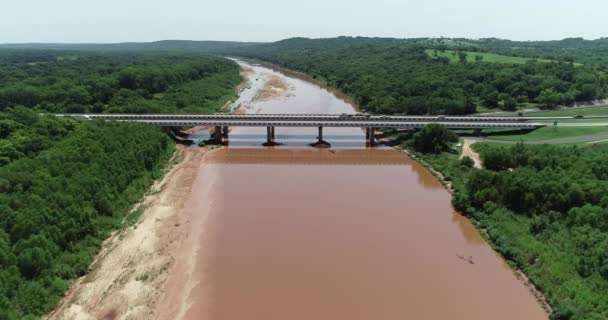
[293,232]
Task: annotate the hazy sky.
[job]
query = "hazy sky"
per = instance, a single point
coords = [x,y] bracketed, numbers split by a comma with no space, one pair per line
[270,20]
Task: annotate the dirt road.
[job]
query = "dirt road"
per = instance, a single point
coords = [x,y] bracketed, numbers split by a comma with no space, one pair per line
[467,151]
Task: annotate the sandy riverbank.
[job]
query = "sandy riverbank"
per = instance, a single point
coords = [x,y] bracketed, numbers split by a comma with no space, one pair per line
[127,279]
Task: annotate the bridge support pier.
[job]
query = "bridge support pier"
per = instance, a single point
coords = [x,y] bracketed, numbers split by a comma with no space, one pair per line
[225,131]
[366,134]
[217,134]
[372,136]
[269,136]
[320,142]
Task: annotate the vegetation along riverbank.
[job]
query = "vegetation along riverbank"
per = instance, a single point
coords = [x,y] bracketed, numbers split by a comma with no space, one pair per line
[66,185]
[536,204]
[401,77]
[541,207]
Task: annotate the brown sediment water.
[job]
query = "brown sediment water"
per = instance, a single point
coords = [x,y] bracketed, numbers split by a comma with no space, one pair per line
[293,232]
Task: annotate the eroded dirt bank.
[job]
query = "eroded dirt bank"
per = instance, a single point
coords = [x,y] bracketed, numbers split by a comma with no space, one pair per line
[128,276]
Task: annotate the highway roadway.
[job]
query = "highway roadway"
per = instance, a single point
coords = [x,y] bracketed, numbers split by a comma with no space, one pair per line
[338,120]
[316,117]
[337,123]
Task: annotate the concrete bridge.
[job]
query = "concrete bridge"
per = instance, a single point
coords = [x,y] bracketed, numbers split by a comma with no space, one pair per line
[313,117]
[222,122]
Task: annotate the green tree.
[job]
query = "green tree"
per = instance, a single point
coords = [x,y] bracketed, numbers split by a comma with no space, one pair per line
[510,104]
[434,138]
[548,98]
[467,162]
[462,57]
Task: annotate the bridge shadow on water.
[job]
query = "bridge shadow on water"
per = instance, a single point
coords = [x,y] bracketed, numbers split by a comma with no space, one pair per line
[291,143]
[310,137]
[289,140]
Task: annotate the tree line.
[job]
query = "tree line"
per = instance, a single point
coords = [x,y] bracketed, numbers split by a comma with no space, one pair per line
[116,82]
[545,208]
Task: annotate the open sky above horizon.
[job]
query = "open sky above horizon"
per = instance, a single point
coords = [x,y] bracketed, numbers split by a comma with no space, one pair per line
[270,20]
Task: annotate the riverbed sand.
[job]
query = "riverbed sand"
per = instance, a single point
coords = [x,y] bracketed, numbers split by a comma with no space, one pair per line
[127,279]
[273,88]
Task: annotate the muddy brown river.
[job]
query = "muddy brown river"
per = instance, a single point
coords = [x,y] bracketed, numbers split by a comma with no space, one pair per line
[298,233]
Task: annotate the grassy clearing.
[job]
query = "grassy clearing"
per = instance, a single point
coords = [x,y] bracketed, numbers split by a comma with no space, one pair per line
[499,112]
[590,111]
[548,133]
[484,109]
[487,57]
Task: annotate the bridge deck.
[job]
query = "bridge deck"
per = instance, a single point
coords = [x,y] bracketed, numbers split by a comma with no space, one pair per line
[337,124]
[313,117]
[315,120]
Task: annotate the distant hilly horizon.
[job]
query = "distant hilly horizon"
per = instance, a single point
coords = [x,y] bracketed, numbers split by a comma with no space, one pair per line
[220,44]
[569,49]
[161,45]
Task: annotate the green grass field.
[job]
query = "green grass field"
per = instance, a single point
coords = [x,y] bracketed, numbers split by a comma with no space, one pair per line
[483,109]
[593,120]
[487,57]
[520,107]
[550,133]
[590,111]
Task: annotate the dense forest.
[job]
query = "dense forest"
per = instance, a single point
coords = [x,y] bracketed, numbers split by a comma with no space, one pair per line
[58,205]
[386,75]
[545,209]
[403,78]
[66,184]
[135,47]
[57,81]
[24,134]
